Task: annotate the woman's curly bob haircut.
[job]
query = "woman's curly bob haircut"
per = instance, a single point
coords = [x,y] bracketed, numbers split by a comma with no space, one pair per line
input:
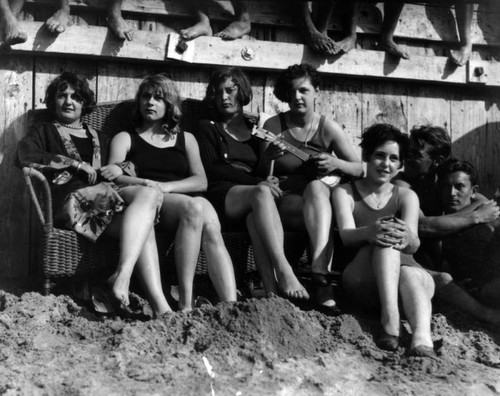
[83,93]
[379,134]
[164,87]
[284,82]
[237,76]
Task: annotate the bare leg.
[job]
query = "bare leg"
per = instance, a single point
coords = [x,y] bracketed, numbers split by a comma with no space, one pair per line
[464,22]
[416,288]
[261,258]
[9,28]
[61,19]
[184,216]
[220,266]
[116,22]
[133,228]
[201,27]
[240,26]
[386,267]
[259,200]
[148,274]
[318,220]
[349,42]
[318,41]
[451,293]
[392,11]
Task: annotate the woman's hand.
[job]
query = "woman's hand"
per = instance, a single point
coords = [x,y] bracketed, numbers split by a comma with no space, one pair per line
[273,186]
[84,167]
[325,163]
[275,150]
[111,172]
[389,232]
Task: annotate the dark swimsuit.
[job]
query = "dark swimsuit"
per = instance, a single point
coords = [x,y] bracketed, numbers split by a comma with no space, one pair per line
[364,215]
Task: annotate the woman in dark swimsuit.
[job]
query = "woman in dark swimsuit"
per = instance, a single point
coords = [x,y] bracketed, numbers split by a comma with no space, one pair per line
[381,220]
[231,157]
[306,204]
[168,158]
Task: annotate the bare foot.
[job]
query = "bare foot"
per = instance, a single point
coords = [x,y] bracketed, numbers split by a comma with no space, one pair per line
[58,22]
[320,43]
[202,28]
[119,27]
[346,44]
[389,46]
[290,286]
[234,30]
[9,31]
[462,55]
[119,288]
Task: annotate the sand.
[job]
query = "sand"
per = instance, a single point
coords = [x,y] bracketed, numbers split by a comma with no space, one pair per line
[56,346]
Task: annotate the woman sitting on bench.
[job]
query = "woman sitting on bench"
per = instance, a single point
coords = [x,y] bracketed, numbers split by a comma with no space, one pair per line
[230,155]
[168,159]
[70,154]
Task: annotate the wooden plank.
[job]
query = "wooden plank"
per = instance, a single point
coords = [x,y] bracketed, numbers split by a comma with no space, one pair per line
[423,22]
[16,81]
[276,56]
[385,102]
[475,121]
[428,105]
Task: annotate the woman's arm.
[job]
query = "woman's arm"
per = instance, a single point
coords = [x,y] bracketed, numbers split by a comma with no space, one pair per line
[410,210]
[346,162]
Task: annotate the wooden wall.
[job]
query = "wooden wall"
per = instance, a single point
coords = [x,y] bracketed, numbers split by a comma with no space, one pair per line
[359,89]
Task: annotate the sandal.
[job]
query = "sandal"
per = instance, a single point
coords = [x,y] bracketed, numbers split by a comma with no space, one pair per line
[323,292]
[387,342]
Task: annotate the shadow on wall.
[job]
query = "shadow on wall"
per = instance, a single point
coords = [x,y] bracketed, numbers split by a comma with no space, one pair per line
[15,248]
[481,147]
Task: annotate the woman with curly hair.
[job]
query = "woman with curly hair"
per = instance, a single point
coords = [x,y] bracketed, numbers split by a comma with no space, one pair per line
[167,158]
[70,154]
[306,203]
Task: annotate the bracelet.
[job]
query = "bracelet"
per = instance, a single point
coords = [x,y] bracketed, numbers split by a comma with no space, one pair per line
[78,167]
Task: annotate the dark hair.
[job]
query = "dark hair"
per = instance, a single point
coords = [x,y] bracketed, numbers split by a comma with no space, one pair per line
[378,134]
[166,88]
[453,165]
[284,82]
[237,76]
[83,92]
[436,137]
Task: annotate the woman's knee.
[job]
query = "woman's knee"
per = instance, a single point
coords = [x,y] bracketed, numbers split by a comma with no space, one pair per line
[192,211]
[316,189]
[148,197]
[261,194]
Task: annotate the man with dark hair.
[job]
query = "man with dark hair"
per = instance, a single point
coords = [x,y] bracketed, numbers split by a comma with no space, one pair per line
[472,256]
[430,146]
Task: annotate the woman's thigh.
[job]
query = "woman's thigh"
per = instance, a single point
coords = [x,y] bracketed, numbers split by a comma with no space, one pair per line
[239,201]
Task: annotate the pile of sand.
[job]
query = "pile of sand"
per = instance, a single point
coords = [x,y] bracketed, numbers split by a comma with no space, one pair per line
[52,345]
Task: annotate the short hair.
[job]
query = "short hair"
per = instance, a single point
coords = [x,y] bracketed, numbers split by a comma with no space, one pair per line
[284,82]
[378,134]
[453,165]
[237,76]
[82,91]
[166,88]
[436,137]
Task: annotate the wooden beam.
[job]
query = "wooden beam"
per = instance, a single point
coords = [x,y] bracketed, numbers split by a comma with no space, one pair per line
[417,21]
[276,56]
[253,54]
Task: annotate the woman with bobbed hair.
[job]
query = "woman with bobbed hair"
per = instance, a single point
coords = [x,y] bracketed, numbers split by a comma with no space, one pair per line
[231,157]
[307,204]
[168,159]
[70,154]
[380,219]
